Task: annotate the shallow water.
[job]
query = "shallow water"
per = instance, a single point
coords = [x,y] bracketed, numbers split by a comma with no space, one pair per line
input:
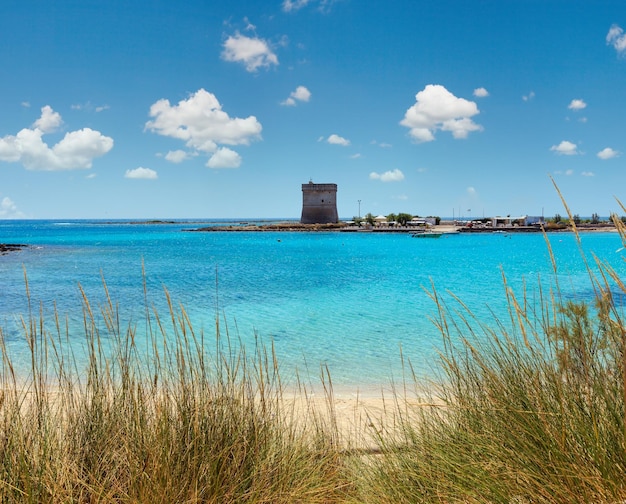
[350,301]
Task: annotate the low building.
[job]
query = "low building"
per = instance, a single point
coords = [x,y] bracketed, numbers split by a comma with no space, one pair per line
[509,221]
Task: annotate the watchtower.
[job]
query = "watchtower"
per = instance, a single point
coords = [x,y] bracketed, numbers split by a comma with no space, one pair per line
[319,203]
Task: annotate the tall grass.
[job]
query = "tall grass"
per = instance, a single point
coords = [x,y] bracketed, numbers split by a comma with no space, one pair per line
[179,419]
[529,407]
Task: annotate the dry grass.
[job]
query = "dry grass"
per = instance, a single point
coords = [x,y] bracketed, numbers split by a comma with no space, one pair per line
[533,406]
[180,420]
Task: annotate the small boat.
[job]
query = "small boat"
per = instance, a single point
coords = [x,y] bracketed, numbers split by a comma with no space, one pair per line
[426,234]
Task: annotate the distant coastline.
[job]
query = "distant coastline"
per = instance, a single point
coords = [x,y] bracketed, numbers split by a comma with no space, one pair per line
[444,227]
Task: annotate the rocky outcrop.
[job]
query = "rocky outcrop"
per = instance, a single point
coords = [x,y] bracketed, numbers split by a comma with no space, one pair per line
[5,248]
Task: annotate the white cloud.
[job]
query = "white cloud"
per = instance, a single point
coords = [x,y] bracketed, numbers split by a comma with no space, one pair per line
[9,210]
[471,191]
[389,176]
[49,120]
[435,109]
[89,107]
[577,104]
[607,153]
[617,39]
[249,25]
[177,156]
[300,94]
[588,174]
[224,158]
[481,92]
[76,150]
[141,173]
[254,53]
[565,148]
[294,5]
[338,140]
[529,96]
[201,123]
[383,145]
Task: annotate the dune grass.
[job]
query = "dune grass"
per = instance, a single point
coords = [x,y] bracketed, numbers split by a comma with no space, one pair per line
[529,407]
[180,420]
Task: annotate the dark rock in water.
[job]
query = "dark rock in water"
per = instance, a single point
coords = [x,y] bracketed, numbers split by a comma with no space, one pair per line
[5,248]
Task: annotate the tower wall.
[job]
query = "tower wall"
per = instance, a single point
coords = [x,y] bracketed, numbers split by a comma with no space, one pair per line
[319,203]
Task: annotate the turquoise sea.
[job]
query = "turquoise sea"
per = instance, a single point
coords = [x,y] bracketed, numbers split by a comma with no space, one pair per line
[350,301]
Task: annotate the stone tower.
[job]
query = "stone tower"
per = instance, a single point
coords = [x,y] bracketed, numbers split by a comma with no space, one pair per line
[319,203]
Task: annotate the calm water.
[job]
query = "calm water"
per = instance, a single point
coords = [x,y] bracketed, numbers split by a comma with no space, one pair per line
[347,300]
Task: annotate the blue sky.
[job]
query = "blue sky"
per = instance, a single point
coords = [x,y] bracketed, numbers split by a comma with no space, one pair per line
[215,109]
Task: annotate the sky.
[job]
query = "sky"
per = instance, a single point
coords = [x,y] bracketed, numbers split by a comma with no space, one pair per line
[223,109]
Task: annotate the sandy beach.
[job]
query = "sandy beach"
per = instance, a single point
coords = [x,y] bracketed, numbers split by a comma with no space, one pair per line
[360,416]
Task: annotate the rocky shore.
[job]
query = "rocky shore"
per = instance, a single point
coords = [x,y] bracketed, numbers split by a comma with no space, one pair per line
[281,226]
[5,248]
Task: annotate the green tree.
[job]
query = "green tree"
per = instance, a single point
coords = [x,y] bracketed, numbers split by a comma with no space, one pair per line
[595,218]
[369,218]
[576,219]
[403,218]
[392,217]
[557,218]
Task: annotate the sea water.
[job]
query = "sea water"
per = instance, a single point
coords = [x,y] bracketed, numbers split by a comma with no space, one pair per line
[351,302]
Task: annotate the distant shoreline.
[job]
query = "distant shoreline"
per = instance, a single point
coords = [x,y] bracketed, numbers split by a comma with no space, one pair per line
[442,228]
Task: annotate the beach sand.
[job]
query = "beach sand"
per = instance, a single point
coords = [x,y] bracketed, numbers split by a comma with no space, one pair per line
[359,417]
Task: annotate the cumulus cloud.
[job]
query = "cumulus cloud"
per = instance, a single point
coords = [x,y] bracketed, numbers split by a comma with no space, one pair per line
[253,53]
[481,92]
[300,94]
[49,121]
[577,104]
[617,39]
[177,156]
[435,109]
[565,148]
[141,173]
[338,140]
[201,123]
[76,150]
[224,158]
[389,176]
[529,96]
[9,210]
[607,153]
